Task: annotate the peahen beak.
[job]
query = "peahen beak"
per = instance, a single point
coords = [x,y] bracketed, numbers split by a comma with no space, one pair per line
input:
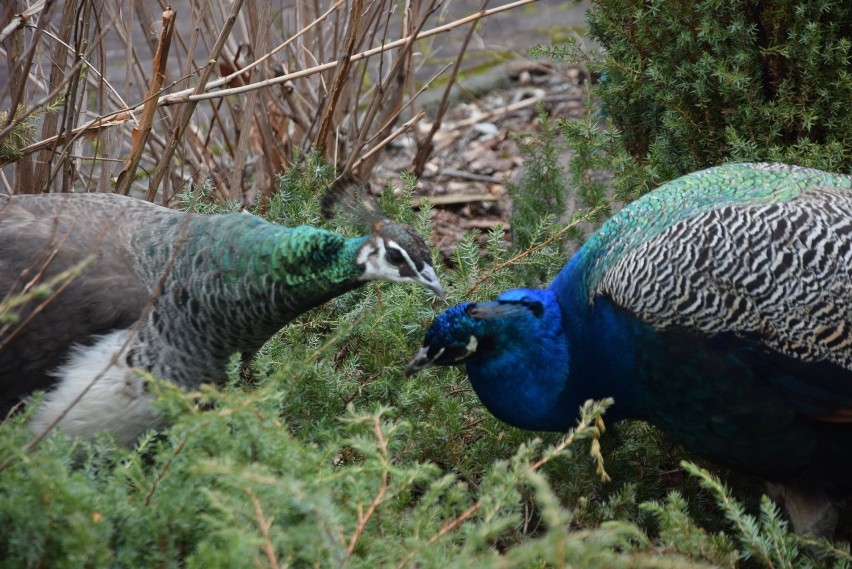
[420,362]
[428,278]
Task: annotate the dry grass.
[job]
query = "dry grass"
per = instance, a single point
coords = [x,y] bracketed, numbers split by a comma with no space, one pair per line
[117,96]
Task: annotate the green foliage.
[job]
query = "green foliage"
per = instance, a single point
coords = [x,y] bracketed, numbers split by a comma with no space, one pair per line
[296,202]
[20,136]
[540,196]
[764,538]
[541,190]
[680,533]
[200,199]
[688,85]
[23,133]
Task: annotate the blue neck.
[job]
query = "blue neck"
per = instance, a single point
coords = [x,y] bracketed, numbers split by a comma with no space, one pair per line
[541,370]
[520,376]
[605,344]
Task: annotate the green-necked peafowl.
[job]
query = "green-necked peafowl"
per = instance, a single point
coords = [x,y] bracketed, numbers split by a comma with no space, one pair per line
[169,292]
[718,307]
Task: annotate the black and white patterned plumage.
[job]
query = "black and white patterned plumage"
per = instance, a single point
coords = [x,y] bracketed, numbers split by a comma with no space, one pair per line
[778,273]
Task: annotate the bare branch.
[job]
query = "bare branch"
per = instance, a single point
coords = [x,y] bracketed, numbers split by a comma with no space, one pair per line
[140,133]
[186,95]
[264,526]
[186,111]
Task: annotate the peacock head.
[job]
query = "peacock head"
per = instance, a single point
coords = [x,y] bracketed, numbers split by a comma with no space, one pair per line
[476,330]
[395,252]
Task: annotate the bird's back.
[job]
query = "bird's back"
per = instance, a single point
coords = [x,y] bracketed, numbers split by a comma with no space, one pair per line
[42,236]
[733,285]
[756,250]
[734,186]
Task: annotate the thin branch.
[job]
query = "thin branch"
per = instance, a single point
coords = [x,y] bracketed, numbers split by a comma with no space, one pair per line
[186,95]
[410,102]
[20,20]
[264,525]
[121,115]
[426,146]
[531,250]
[98,76]
[47,100]
[395,134]
[23,68]
[186,111]
[140,133]
[394,87]
[340,75]
[162,472]
[448,527]
[363,518]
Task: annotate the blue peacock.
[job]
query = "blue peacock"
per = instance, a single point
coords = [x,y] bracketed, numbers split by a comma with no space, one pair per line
[173,293]
[717,307]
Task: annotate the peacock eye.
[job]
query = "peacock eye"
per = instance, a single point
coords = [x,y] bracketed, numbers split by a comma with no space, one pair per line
[459,352]
[395,257]
[455,353]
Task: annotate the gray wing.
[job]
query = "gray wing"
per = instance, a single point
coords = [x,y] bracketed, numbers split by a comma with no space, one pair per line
[776,273]
[41,236]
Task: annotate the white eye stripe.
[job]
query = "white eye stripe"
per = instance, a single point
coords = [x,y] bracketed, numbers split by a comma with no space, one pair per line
[391,244]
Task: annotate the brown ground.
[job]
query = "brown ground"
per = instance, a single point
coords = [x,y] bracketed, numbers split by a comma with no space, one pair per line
[476,150]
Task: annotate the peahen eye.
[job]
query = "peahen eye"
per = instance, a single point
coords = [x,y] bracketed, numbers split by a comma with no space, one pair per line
[395,257]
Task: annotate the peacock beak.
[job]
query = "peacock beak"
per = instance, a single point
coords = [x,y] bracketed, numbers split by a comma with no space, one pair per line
[428,278]
[420,362]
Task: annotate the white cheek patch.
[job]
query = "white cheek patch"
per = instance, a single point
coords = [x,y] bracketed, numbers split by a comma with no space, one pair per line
[472,343]
[364,254]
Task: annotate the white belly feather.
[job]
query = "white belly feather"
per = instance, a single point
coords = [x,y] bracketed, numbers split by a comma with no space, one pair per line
[116,402]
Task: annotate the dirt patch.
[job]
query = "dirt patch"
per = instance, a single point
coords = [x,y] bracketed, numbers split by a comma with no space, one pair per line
[477,152]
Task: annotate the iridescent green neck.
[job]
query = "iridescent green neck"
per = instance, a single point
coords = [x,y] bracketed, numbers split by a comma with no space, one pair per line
[306,256]
[237,278]
[237,246]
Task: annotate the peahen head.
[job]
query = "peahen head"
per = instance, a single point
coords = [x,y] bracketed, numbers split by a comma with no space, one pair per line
[516,354]
[395,252]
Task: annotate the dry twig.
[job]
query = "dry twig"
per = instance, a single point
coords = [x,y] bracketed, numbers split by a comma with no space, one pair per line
[264,526]
[364,517]
[140,133]
[344,78]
